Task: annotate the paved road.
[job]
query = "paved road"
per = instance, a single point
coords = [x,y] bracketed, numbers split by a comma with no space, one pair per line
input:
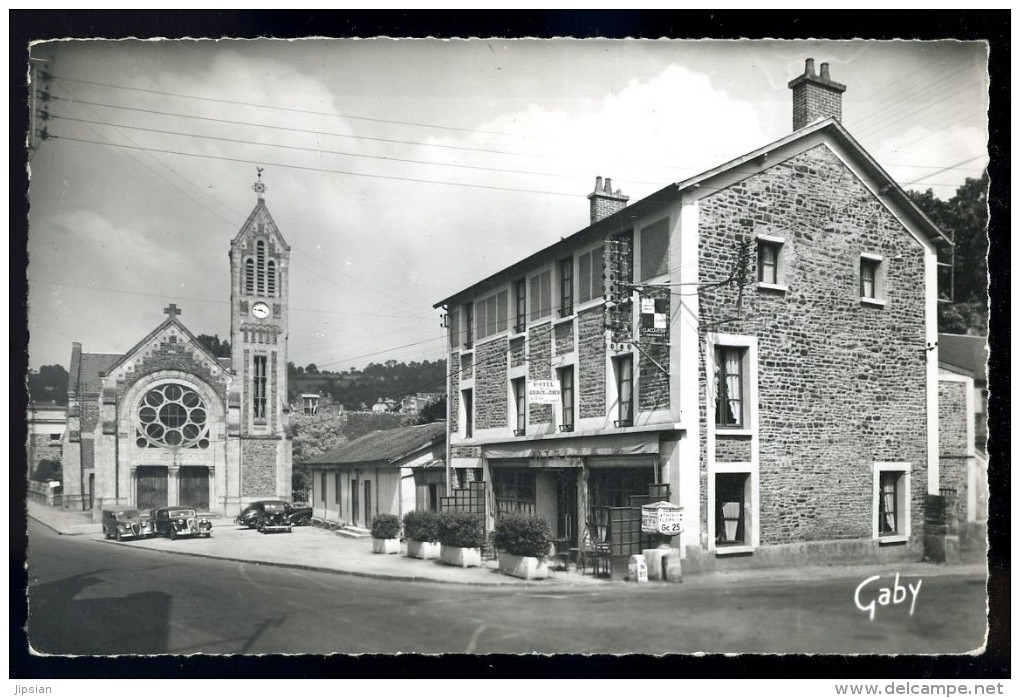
[87,597]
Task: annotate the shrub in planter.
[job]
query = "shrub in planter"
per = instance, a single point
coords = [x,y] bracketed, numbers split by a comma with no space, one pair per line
[422,526]
[461,529]
[525,535]
[385,526]
[385,532]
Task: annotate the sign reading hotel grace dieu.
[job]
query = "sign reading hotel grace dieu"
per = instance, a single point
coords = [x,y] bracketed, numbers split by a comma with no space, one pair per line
[662,517]
[543,392]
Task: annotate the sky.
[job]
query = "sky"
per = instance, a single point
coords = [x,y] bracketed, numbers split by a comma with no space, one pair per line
[401,171]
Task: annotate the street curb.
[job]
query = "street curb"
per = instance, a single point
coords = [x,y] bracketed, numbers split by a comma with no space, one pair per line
[370,575]
[55,529]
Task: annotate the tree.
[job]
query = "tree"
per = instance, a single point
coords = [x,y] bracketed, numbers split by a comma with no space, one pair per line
[219,349]
[964,218]
[433,412]
[47,469]
[311,368]
[48,385]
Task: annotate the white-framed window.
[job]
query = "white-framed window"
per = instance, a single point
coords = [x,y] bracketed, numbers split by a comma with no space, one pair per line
[872,279]
[518,391]
[566,277]
[623,370]
[469,322]
[771,272]
[590,275]
[541,295]
[566,376]
[891,502]
[468,408]
[455,328]
[520,305]
[733,513]
[654,250]
[731,383]
[491,315]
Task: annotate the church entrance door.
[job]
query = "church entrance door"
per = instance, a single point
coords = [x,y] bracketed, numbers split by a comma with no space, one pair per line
[194,487]
[152,491]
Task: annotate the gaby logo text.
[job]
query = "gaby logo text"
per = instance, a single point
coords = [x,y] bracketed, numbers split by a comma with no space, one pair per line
[869,596]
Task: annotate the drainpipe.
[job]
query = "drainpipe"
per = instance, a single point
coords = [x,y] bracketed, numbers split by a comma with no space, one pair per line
[449,402]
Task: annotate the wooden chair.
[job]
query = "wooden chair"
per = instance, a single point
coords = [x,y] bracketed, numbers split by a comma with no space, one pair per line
[596,550]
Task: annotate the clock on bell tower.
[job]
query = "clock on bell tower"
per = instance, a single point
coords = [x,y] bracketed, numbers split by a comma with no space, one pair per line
[259,317]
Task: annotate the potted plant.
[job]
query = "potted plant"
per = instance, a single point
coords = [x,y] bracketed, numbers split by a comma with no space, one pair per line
[386,534]
[523,541]
[461,534]
[421,528]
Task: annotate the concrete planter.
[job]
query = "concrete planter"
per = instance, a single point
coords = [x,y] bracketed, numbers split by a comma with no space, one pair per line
[460,557]
[523,566]
[423,550]
[386,546]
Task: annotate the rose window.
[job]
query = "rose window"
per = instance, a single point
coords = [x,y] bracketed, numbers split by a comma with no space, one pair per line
[172,416]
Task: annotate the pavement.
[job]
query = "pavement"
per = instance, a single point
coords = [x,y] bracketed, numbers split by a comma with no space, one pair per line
[319,549]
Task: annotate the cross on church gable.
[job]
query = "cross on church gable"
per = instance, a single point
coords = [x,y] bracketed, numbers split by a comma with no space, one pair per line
[172,310]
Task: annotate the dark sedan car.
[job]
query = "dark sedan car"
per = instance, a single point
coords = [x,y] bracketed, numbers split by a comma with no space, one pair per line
[297,514]
[180,522]
[126,522]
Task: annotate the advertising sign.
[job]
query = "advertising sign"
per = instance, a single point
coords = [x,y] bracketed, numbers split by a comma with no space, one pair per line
[543,392]
[662,517]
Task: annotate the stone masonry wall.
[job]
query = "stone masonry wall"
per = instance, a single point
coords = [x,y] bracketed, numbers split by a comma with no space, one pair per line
[491,384]
[564,338]
[258,467]
[841,385]
[653,381]
[517,352]
[732,449]
[591,360]
[539,367]
[454,397]
[953,442]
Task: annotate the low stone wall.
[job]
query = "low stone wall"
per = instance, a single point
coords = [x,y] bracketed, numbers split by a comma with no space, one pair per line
[804,554]
[44,494]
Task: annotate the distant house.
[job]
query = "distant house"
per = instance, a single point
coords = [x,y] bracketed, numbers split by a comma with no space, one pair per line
[46,424]
[418,401]
[387,405]
[963,466]
[392,471]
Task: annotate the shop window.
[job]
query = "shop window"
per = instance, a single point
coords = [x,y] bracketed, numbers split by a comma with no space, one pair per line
[513,490]
[732,509]
[730,381]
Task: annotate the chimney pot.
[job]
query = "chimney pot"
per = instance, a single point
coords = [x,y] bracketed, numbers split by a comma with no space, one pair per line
[825,71]
[609,186]
[809,66]
[598,184]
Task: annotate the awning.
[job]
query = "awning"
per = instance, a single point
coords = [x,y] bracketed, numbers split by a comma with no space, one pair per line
[431,465]
[549,449]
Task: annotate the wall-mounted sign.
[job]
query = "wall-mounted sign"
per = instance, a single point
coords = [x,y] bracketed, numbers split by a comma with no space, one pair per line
[654,317]
[662,517]
[543,392]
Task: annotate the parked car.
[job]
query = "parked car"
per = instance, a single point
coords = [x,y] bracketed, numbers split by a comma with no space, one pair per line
[126,522]
[297,514]
[272,516]
[177,522]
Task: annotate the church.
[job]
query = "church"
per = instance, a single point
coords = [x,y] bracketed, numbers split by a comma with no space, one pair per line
[169,423]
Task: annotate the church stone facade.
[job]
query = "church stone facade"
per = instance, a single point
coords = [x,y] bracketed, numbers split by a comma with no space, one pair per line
[168,423]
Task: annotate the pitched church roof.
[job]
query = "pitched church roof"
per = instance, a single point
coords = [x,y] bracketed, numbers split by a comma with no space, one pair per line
[85,369]
[172,313]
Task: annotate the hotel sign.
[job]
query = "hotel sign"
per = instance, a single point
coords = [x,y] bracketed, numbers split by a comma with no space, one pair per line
[543,392]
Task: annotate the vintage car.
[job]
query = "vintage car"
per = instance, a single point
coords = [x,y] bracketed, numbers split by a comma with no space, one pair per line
[297,514]
[126,522]
[272,516]
[178,522]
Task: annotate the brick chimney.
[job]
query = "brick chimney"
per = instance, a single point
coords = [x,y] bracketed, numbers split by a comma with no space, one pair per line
[815,97]
[604,201]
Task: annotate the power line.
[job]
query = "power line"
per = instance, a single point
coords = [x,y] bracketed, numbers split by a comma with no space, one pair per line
[321,151]
[318,169]
[310,131]
[290,109]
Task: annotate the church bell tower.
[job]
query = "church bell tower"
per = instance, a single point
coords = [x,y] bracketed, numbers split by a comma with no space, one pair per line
[258,410]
